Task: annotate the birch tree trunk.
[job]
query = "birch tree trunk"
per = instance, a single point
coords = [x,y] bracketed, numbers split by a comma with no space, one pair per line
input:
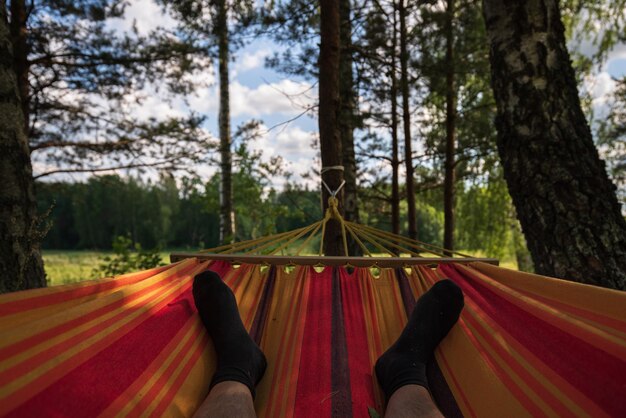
[21,266]
[564,199]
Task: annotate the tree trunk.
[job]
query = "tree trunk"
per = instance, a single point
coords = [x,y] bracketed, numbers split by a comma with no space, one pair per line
[395,164]
[346,120]
[450,177]
[406,118]
[21,266]
[227,216]
[330,141]
[564,199]
[19,38]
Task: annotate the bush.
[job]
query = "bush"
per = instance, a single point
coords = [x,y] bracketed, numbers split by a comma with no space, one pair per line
[127,258]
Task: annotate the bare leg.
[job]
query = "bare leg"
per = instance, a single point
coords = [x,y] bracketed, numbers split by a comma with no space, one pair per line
[412,401]
[227,399]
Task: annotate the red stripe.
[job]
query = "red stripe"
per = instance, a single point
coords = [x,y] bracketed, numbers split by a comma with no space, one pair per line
[607,321]
[597,374]
[24,305]
[90,388]
[361,380]
[313,393]
[43,336]
[180,379]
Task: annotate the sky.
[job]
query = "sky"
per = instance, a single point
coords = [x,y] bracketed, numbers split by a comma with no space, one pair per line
[260,93]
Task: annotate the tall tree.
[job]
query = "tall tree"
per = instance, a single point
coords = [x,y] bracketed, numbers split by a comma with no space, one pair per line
[79,81]
[21,266]
[330,141]
[347,115]
[450,163]
[221,23]
[395,163]
[227,216]
[406,120]
[564,199]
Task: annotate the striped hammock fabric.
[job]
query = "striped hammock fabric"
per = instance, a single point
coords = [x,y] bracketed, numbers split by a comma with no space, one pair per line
[525,345]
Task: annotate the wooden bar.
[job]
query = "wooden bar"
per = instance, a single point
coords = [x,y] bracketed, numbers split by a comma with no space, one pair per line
[282,260]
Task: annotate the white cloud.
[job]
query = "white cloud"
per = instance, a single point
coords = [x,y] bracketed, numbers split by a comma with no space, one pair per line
[250,60]
[286,97]
[146,15]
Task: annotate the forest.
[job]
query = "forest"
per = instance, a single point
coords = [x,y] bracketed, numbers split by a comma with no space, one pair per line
[432,118]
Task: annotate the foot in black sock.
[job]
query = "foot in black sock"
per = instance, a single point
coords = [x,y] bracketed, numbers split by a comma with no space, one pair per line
[404,363]
[238,357]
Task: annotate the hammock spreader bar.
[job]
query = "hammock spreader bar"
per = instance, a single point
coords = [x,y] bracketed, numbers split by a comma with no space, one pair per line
[286,260]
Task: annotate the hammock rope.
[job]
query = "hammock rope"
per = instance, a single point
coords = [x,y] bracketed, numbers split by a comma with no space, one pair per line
[378,245]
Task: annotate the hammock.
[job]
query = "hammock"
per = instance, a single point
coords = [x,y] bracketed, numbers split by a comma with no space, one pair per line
[525,345]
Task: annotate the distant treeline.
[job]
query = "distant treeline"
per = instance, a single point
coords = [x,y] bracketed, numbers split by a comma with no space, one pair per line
[161,214]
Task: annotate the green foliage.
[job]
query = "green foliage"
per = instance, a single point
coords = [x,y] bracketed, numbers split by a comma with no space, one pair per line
[127,257]
[485,218]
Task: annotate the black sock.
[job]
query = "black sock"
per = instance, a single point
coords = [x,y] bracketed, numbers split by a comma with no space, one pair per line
[435,313]
[238,357]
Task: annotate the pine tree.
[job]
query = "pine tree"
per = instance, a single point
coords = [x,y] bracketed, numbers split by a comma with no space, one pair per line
[78,78]
[21,266]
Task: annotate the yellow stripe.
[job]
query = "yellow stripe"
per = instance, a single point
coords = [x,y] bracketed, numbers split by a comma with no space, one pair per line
[148,411]
[69,358]
[607,302]
[84,309]
[579,329]
[135,393]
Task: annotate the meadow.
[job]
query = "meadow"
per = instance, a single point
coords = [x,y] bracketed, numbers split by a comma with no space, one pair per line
[64,267]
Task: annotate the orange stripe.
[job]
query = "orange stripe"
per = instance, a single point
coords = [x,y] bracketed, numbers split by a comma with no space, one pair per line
[577,328]
[24,301]
[180,378]
[152,391]
[77,356]
[118,300]
[134,394]
[277,400]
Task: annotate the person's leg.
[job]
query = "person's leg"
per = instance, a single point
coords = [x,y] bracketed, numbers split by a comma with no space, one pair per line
[227,399]
[401,370]
[411,401]
[240,362]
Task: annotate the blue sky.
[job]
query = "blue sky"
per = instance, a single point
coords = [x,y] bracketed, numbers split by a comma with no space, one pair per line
[261,93]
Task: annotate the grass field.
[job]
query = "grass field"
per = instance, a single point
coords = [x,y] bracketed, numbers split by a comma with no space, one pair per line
[63,267]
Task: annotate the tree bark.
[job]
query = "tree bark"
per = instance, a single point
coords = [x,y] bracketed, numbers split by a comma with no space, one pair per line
[347,119]
[227,216]
[564,199]
[450,177]
[19,38]
[21,266]
[330,141]
[395,164]
[406,118]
